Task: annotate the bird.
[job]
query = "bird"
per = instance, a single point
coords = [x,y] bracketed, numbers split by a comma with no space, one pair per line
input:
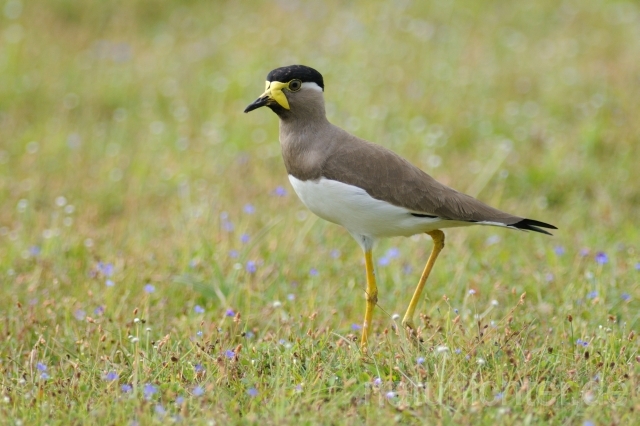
[368,189]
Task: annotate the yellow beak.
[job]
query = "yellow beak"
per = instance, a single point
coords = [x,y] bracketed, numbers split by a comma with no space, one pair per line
[273,93]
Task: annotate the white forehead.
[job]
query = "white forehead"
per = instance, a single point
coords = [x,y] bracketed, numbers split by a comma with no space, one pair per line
[312,85]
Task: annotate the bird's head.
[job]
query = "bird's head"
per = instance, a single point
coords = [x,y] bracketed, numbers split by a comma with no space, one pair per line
[291,89]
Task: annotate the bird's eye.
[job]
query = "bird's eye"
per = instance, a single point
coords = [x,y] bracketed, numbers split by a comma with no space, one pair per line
[295,85]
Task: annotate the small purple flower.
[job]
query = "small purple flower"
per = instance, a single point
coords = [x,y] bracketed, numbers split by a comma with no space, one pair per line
[280,191]
[227,226]
[584,252]
[472,292]
[229,353]
[111,376]
[252,392]
[377,381]
[313,272]
[455,311]
[159,409]
[249,334]
[198,309]
[291,297]
[199,333]
[198,391]
[420,360]
[251,267]
[356,327]
[407,269]
[588,423]
[638,266]
[105,268]
[126,388]
[592,295]
[149,288]
[559,250]
[499,396]
[458,351]
[34,251]
[99,310]
[80,314]
[244,238]
[390,395]
[602,258]
[298,388]
[234,254]
[383,261]
[249,209]
[149,390]
[335,253]
[230,313]
[110,283]
[180,400]
[44,376]
[41,367]
[626,297]
[582,343]
[392,253]
[198,368]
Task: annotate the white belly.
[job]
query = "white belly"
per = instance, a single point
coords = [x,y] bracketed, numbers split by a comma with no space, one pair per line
[361,214]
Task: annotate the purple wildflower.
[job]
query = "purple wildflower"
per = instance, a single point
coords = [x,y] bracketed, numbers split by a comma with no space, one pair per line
[377,381]
[111,376]
[313,272]
[41,367]
[392,253]
[180,400]
[602,258]
[383,261]
[99,310]
[407,269]
[251,267]
[252,392]
[420,360]
[592,295]
[638,266]
[149,288]
[198,391]
[109,283]
[244,238]
[80,314]
[198,368]
[291,297]
[356,326]
[34,251]
[626,297]
[335,253]
[472,292]
[234,254]
[458,351]
[44,376]
[390,395]
[159,409]
[582,343]
[199,333]
[149,390]
[559,250]
[584,252]
[126,388]
[230,313]
[198,309]
[280,191]
[227,225]
[229,353]
[249,209]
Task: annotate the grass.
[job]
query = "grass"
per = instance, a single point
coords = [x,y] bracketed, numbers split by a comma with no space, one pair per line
[155,265]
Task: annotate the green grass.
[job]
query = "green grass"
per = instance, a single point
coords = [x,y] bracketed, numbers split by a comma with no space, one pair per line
[123,143]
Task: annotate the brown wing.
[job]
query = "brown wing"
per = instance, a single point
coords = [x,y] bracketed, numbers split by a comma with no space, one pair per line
[387,176]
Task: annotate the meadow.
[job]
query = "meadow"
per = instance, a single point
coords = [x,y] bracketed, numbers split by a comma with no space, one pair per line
[156,266]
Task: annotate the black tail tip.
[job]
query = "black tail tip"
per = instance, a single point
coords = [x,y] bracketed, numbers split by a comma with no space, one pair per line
[533,225]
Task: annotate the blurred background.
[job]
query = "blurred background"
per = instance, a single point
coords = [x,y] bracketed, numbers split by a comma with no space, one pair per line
[122,136]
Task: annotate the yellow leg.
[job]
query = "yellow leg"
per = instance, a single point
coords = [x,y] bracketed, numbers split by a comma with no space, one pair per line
[372,298]
[438,245]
